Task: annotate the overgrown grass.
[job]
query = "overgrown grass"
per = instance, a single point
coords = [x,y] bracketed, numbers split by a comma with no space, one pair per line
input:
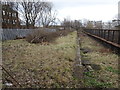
[106,59]
[36,65]
[91,80]
[111,69]
[40,36]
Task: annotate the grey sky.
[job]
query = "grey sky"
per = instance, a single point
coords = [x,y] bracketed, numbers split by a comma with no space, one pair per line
[89,9]
[104,10]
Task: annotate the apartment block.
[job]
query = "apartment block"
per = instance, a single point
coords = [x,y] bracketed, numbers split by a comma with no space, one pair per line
[10,18]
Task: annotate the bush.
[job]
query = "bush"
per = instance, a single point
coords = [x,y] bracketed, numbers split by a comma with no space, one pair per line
[40,36]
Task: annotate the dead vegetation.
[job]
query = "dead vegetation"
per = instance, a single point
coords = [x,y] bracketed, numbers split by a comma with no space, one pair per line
[44,66]
[39,36]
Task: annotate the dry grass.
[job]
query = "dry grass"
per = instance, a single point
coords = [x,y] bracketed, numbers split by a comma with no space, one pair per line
[40,36]
[36,65]
[99,55]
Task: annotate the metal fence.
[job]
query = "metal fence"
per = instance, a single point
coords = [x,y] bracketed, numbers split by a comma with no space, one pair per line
[111,36]
[11,34]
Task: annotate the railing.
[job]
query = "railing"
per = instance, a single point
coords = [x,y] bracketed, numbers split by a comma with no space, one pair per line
[109,36]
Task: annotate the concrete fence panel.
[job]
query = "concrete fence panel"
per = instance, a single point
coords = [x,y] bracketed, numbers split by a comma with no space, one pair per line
[11,34]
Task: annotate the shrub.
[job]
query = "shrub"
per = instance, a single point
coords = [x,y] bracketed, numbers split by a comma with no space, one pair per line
[39,36]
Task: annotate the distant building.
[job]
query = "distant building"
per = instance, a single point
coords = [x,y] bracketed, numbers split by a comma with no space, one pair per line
[9,17]
[116,23]
[98,24]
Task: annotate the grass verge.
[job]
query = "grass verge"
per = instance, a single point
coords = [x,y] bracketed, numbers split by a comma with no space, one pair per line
[45,66]
[107,75]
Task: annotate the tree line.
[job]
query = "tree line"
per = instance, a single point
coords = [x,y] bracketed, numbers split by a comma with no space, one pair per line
[33,12]
[87,24]
[42,13]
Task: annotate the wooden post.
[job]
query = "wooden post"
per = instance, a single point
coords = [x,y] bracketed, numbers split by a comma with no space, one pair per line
[119,37]
[99,33]
[104,34]
[108,35]
[113,36]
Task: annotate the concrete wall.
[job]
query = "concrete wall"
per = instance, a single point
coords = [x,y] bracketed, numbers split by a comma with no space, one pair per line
[11,34]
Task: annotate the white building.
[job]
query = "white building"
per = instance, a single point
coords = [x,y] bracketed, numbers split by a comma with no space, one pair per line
[116,23]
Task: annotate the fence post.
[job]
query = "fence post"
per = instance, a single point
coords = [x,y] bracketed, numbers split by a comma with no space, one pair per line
[100,33]
[113,36]
[104,34]
[119,38]
[108,35]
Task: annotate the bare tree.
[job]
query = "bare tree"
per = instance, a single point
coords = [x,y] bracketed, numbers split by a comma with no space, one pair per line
[31,12]
[47,15]
[67,23]
[77,24]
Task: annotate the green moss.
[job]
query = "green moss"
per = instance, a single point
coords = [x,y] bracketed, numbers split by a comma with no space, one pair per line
[107,76]
[91,81]
[111,69]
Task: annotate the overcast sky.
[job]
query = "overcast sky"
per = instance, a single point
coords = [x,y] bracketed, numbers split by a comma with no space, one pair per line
[104,10]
